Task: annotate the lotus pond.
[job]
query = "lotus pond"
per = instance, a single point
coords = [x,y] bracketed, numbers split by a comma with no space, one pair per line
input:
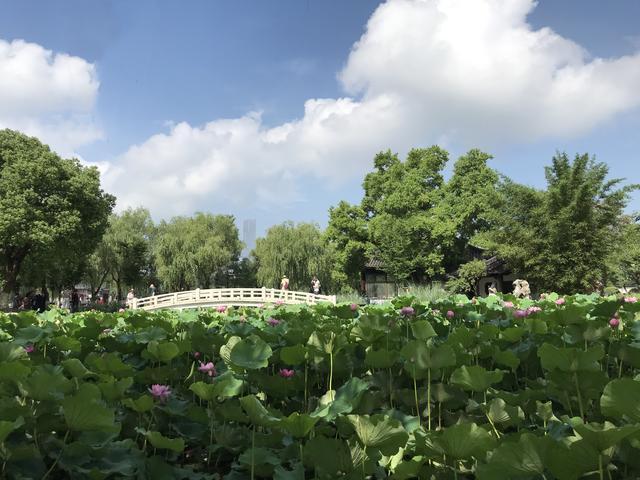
[490,389]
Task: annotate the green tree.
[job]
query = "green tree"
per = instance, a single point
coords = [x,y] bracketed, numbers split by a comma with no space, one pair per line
[190,251]
[124,256]
[466,207]
[298,251]
[467,277]
[49,206]
[348,233]
[560,239]
[624,262]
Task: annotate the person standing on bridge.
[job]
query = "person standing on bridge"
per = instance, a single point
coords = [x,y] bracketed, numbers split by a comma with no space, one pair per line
[315,285]
[152,290]
[284,283]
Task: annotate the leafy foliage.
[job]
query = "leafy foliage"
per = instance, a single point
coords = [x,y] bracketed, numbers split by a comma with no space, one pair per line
[327,392]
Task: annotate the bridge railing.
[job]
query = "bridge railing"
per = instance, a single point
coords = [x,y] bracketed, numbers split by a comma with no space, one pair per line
[227,296]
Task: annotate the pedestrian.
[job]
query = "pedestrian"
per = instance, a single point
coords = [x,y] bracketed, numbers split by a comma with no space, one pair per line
[315,285]
[130,297]
[75,300]
[152,289]
[284,283]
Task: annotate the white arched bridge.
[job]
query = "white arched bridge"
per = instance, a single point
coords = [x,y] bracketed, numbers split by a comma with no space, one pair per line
[236,297]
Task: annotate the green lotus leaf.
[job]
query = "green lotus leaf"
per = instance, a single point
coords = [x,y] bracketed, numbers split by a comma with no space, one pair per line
[379,432]
[7,427]
[544,411]
[500,412]
[465,440]
[65,343]
[293,355]
[382,358]
[345,399]
[524,459]
[513,334]
[602,437]
[251,353]
[570,359]
[422,330]
[76,368]
[620,399]
[85,411]
[506,358]
[160,441]
[14,371]
[150,334]
[327,455]
[327,342]
[11,351]
[144,403]
[422,357]
[475,378]
[47,382]
[110,363]
[298,425]
[115,389]
[258,414]
[163,352]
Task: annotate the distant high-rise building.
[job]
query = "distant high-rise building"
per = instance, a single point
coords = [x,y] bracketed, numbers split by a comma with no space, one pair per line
[248,236]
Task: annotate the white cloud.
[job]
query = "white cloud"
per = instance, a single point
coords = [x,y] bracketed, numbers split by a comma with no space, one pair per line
[47,95]
[470,72]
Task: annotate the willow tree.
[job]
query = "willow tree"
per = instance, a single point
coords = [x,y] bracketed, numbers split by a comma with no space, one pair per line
[190,251]
[297,251]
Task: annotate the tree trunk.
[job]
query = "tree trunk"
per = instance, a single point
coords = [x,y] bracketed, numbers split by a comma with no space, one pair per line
[13,262]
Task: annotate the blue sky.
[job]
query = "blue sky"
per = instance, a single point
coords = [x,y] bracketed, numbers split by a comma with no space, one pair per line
[157,73]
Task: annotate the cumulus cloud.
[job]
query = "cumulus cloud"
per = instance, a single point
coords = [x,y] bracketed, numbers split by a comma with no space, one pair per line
[47,95]
[423,70]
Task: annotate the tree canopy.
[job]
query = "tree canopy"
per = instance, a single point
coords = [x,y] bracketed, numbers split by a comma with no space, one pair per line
[560,238]
[297,251]
[49,207]
[190,251]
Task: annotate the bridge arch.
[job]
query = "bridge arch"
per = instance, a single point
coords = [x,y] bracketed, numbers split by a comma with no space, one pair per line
[238,297]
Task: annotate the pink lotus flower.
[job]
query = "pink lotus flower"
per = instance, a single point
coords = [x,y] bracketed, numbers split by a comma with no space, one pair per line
[273,322]
[354,307]
[561,301]
[208,368]
[286,373]
[532,310]
[196,354]
[121,310]
[630,299]
[543,296]
[221,308]
[450,314]
[261,305]
[160,392]
[279,302]
[520,313]
[407,311]
[29,348]
[106,331]
[614,322]
[508,305]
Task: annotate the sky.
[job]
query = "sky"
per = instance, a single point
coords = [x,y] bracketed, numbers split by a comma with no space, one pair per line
[274,110]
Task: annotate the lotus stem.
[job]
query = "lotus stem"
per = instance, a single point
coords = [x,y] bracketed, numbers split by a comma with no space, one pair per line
[64,443]
[429,399]
[415,394]
[575,379]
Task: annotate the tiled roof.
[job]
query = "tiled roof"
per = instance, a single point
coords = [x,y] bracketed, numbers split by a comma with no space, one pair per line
[374,263]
